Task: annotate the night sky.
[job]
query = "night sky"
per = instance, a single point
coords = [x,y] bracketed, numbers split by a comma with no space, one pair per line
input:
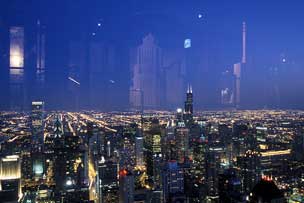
[275,30]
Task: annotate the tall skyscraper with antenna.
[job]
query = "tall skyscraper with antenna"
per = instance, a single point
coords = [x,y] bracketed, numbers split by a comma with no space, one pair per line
[237,69]
[188,114]
[244,44]
[189,101]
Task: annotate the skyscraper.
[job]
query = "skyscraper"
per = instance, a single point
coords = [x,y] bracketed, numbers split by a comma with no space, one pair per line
[126,186]
[188,115]
[139,151]
[173,181]
[147,75]
[182,142]
[107,181]
[37,124]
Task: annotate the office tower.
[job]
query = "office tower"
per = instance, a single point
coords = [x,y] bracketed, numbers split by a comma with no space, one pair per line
[107,181]
[69,170]
[154,152]
[154,159]
[126,186]
[26,166]
[69,164]
[212,171]
[16,70]
[10,178]
[240,131]
[97,141]
[127,157]
[139,151]
[37,123]
[298,144]
[199,160]
[188,111]
[147,75]
[250,169]
[173,181]
[169,142]
[182,142]
[189,101]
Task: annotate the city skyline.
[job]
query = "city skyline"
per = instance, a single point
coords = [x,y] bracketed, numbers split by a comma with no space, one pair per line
[151,101]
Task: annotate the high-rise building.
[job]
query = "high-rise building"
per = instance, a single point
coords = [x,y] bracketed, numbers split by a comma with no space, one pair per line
[154,153]
[37,122]
[139,151]
[147,75]
[126,186]
[298,144]
[188,114]
[10,177]
[182,142]
[173,181]
[212,171]
[250,167]
[107,181]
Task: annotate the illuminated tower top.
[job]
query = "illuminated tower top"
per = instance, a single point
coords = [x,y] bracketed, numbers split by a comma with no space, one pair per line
[189,101]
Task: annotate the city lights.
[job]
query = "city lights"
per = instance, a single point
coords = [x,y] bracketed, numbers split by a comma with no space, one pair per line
[151,102]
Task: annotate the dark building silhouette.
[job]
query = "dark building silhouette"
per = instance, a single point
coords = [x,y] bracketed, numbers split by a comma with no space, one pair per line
[267,192]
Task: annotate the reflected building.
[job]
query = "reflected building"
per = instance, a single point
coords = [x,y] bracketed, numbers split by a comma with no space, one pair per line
[146,75]
[26,63]
[16,68]
[173,78]
[39,84]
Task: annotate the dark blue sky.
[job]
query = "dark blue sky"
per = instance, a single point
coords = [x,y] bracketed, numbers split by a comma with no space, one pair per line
[274,27]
